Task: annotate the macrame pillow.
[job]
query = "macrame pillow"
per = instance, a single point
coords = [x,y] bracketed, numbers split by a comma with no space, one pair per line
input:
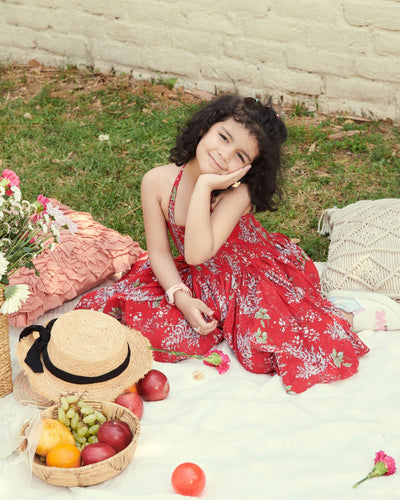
[80,261]
[364,252]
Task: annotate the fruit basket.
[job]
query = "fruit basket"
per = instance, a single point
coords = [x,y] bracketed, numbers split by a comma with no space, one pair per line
[94,473]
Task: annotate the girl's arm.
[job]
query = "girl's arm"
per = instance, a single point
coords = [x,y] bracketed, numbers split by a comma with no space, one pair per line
[159,251]
[207,231]
[156,232]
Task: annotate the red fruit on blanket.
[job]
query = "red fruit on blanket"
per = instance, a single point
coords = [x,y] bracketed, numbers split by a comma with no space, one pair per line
[154,386]
[132,401]
[188,479]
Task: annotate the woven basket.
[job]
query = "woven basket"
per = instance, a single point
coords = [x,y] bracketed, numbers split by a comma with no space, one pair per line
[5,360]
[95,473]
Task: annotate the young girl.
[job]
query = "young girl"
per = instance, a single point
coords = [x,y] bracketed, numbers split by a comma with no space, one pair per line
[232,280]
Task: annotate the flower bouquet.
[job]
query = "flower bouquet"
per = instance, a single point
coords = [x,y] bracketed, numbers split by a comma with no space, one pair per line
[26,229]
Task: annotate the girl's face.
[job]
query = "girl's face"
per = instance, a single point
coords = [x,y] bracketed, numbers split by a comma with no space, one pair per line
[226,147]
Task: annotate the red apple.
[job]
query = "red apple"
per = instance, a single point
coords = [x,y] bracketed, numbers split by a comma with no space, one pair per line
[154,386]
[115,433]
[132,401]
[96,452]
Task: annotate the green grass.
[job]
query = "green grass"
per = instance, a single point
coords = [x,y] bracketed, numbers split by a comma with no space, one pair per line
[50,123]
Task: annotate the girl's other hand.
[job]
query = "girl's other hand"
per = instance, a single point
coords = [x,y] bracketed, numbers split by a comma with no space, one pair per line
[195,312]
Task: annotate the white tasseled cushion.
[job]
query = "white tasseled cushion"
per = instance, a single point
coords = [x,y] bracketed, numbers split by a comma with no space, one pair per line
[364,252]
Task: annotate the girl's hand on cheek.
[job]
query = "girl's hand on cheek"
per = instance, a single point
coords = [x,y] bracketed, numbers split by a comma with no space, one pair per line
[222,181]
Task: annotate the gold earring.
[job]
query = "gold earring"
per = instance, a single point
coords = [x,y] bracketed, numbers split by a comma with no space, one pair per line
[237,184]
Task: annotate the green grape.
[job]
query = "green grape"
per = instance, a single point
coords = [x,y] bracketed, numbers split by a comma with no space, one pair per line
[72,398]
[100,417]
[90,419]
[70,413]
[75,421]
[93,429]
[64,403]
[79,439]
[82,431]
[62,417]
[93,439]
[87,410]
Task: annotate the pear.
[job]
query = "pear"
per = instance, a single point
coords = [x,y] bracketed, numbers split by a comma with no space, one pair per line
[53,432]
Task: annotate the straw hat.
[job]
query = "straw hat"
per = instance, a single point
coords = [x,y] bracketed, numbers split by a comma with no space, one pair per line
[83,352]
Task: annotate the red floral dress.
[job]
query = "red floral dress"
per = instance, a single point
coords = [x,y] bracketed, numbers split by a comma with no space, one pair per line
[266,297]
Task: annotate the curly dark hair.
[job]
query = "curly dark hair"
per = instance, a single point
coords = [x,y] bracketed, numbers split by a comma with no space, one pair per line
[262,122]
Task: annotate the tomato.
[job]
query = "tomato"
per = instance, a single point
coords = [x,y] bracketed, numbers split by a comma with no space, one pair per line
[188,479]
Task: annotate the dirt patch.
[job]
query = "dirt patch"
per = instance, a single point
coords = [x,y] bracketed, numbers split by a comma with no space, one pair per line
[30,79]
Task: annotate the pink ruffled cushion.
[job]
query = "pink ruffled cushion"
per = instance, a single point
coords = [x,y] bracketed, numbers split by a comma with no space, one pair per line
[79,262]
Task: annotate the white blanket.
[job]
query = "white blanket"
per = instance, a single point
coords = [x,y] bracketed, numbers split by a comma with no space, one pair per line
[252,439]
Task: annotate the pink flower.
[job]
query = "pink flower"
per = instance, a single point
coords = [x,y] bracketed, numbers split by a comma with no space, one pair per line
[383,466]
[43,201]
[217,358]
[9,178]
[214,357]
[388,463]
[41,207]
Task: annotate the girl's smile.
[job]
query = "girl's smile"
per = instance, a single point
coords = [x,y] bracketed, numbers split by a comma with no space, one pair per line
[226,147]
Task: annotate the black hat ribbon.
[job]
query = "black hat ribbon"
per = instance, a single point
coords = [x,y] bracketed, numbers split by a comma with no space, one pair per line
[32,358]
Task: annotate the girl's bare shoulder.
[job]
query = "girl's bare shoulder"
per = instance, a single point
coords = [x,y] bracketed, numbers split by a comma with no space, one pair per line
[160,174]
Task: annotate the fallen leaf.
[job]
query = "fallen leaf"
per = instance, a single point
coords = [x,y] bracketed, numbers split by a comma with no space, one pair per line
[32,63]
[198,375]
[312,148]
[201,94]
[342,135]
[358,119]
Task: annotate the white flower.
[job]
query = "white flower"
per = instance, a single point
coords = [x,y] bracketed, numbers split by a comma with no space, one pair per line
[5,242]
[13,296]
[42,226]
[61,220]
[56,232]
[71,226]
[17,193]
[104,137]
[3,265]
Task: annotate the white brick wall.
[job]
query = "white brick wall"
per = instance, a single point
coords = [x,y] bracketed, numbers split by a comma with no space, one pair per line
[343,55]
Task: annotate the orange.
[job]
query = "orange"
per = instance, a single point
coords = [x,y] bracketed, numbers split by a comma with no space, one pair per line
[132,388]
[64,455]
